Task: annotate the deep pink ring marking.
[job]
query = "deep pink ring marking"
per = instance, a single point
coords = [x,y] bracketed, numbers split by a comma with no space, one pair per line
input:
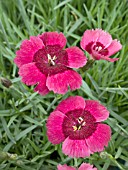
[79,124]
[59,60]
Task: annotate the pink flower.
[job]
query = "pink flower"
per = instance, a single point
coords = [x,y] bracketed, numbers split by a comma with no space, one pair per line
[84,166]
[100,45]
[43,61]
[77,123]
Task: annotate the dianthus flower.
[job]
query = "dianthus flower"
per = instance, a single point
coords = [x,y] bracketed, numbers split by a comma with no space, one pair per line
[84,166]
[77,123]
[44,62]
[99,44]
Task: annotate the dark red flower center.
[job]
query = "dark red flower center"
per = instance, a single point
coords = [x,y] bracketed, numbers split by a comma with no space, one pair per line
[79,124]
[51,60]
[98,47]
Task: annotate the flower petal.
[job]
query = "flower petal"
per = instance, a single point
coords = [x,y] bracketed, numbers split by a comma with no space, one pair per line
[99,138]
[65,167]
[97,35]
[60,82]
[114,47]
[88,37]
[76,57]
[85,166]
[53,38]
[27,50]
[71,103]
[41,87]
[104,37]
[54,127]
[75,148]
[109,59]
[96,56]
[97,110]
[30,74]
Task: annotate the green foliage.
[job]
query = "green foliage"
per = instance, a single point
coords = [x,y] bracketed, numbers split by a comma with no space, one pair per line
[23,113]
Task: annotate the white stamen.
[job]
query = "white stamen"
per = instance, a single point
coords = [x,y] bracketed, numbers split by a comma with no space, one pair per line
[54,58]
[53,63]
[51,60]
[80,119]
[98,48]
[49,57]
[84,123]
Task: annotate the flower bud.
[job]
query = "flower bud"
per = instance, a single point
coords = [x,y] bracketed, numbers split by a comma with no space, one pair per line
[5,82]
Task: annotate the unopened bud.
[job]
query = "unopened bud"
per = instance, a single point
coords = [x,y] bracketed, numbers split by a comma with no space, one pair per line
[7,156]
[5,82]
[12,156]
[103,155]
[3,156]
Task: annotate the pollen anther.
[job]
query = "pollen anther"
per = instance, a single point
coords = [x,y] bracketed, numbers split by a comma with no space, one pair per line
[74,128]
[79,127]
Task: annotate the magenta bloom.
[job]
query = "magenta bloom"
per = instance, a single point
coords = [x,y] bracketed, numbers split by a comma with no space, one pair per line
[43,61]
[76,123]
[99,45]
[84,166]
